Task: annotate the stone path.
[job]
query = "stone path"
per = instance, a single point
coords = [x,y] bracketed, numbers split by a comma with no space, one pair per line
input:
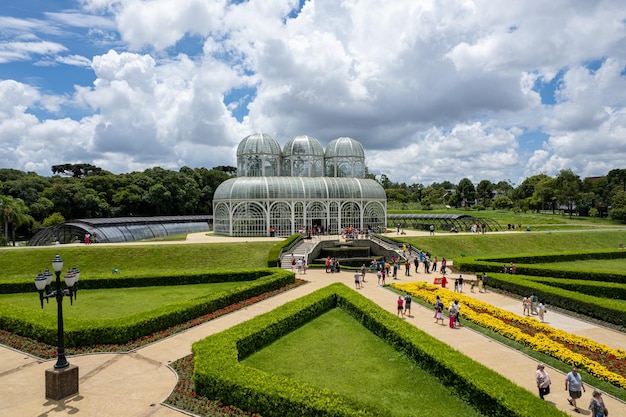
[134,384]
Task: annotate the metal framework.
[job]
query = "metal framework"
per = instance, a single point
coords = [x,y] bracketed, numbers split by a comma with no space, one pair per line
[462,222]
[251,206]
[298,197]
[121,229]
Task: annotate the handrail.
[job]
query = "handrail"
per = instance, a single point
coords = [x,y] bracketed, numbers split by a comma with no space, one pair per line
[290,246]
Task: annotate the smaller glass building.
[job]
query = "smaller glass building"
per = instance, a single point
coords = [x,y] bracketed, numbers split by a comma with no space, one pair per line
[313,189]
[120,229]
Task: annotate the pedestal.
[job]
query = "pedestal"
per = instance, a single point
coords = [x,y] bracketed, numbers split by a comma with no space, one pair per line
[61,383]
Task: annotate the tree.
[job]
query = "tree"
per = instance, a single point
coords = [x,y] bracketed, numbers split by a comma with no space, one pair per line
[484,190]
[76,170]
[503,202]
[53,220]
[504,187]
[6,203]
[226,169]
[568,187]
[18,217]
[545,191]
[385,181]
[526,190]
[466,192]
[617,177]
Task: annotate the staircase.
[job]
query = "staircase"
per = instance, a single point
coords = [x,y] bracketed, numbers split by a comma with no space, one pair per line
[301,250]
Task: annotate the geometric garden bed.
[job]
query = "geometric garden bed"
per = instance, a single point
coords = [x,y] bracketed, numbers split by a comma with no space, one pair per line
[220,375]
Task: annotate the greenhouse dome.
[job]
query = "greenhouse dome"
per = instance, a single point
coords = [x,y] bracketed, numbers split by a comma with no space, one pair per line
[258,155]
[344,157]
[301,199]
[303,156]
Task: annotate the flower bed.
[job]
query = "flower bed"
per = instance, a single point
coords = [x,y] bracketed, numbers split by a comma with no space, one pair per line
[598,359]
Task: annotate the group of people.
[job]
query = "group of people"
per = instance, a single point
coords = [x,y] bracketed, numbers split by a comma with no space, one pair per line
[575,387]
[298,264]
[509,269]
[454,311]
[332,265]
[89,238]
[404,305]
[531,305]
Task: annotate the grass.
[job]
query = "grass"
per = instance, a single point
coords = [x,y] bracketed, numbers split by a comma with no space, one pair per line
[502,244]
[135,260]
[505,217]
[336,352]
[116,303]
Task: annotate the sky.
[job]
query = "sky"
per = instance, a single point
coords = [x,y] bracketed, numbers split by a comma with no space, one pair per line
[434,90]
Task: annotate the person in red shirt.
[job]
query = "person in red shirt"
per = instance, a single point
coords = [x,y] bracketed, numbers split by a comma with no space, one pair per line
[400,306]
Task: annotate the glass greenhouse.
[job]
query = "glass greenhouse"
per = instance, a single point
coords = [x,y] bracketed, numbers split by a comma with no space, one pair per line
[286,192]
[120,229]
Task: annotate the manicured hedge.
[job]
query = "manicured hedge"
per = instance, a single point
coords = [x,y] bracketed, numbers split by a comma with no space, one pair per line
[26,322]
[121,281]
[594,294]
[605,309]
[218,374]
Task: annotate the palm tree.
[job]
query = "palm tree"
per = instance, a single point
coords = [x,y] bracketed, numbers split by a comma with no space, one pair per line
[6,203]
[14,214]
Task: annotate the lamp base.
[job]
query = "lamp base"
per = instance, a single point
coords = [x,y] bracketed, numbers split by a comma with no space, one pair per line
[61,383]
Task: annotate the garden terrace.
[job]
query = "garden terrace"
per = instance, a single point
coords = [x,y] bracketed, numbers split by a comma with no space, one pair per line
[597,294]
[219,374]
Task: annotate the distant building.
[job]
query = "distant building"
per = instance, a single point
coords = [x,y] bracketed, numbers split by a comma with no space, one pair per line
[301,188]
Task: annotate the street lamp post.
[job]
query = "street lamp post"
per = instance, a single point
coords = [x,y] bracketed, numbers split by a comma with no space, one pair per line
[62,380]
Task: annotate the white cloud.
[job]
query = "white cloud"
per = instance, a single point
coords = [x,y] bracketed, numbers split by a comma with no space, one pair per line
[435,90]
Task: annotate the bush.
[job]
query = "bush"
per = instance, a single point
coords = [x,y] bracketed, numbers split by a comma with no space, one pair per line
[28,323]
[218,374]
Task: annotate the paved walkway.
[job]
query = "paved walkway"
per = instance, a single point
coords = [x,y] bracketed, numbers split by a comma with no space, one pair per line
[134,384]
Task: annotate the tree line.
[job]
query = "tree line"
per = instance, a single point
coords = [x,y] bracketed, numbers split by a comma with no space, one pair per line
[566,192]
[29,201]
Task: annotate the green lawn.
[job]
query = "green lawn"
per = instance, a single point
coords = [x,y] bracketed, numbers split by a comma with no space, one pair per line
[115,303]
[334,351]
[135,260]
[499,244]
[546,219]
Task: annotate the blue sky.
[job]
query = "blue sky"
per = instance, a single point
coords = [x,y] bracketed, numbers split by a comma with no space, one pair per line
[434,90]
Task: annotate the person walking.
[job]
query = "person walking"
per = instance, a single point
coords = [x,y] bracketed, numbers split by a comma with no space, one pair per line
[407,304]
[541,310]
[453,312]
[460,283]
[534,300]
[574,384]
[434,268]
[526,306]
[400,306]
[597,407]
[438,310]
[444,264]
[543,380]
